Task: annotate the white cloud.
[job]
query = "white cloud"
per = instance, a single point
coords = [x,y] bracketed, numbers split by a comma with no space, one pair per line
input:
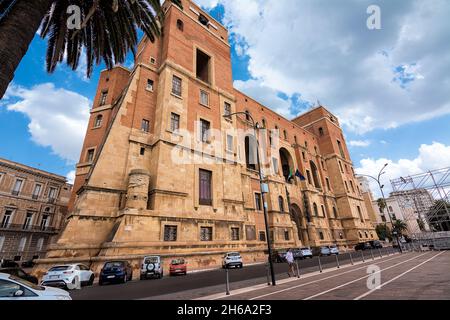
[323,50]
[58,117]
[430,157]
[71,177]
[359,143]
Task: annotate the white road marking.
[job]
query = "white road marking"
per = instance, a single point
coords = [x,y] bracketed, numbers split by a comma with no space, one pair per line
[397,277]
[323,279]
[359,279]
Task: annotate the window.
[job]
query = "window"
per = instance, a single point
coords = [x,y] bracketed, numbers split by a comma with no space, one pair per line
[170,233]
[36,191]
[346,168]
[360,213]
[52,193]
[247,115]
[315,174]
[206,233]
[2,240]
[346,186]
[44,221]
[150,84]
[303,156]
[203,20]
[145,126]
[98,121]
[328,184]
[262,236]
[205,187]
[334,213]
[258,205]
[286,235]
[308,175]
[281,203]
[152,60]
[340,166]
[391,209]
[285,134]
[227,109]
[142,151]
[323,211]
[174,122]
[204,98]
[40,244]
[7,218]
[90,155]
[383,218]
[341,235]
[351,185]
[229,143]
[321,235]
[316,211]
[394,217]
[176,86]
[103,97]
[28,220]
[341,151]
[367,236]
[204,130]
[321,132]
[295,139]
[203,61]
[275,165]
[235,234]
[263,121]
[17,187]
[22,244]
[180,25]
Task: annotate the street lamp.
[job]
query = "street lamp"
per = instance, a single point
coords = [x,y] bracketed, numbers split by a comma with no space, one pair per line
[377,179]
[263,191]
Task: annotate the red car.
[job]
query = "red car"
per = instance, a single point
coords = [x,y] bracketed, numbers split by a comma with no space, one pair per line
[178,266]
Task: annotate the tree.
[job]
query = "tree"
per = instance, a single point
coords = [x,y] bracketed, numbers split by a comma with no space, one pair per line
[381,204]
[108,31]
[400,226]
[383,232]
[439,216]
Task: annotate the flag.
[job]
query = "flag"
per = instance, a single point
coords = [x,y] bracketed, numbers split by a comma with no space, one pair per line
[300,176]
[290,174]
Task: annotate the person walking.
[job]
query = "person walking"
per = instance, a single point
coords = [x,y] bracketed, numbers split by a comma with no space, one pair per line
[290,261]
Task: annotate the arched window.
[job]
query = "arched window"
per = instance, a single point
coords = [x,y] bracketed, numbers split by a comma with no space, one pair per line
[365,233]
[287,164]
[264,123]
[360,234]
[98,121]
[323,211]
[315,174]
[334,212]
[247,115]
[285,134]
[180,25]
[321,132]
[316,211]
[281,203]
[390,209]
[250,153]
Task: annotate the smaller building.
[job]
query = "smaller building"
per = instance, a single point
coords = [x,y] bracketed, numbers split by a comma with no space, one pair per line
[33,209]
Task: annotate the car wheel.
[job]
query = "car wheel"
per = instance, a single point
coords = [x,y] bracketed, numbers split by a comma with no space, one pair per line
[91,280]
[241,266]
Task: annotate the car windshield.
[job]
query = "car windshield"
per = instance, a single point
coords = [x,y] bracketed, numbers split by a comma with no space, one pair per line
[26,283]
[110,265]
[234,254]
[304,249]
[60,268]
[151,260]
[177,262]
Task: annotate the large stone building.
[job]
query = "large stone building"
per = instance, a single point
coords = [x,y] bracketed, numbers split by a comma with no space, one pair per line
[33,208]
[162,171]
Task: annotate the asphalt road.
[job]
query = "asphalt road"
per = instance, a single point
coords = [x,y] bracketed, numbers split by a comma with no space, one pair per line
[209,279]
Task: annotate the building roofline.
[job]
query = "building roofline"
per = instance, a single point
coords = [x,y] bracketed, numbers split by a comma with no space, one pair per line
[314,109]
[32,169]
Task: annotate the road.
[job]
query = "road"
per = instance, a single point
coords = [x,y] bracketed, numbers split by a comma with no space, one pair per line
[195,285]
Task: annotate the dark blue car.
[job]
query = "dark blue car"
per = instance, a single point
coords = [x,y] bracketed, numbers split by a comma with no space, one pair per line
[116,272]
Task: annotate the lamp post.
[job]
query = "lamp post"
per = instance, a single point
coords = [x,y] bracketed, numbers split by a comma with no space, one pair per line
[263,191]
[377,179]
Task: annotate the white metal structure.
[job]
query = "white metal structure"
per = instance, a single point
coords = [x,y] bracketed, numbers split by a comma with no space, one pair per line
[13,288]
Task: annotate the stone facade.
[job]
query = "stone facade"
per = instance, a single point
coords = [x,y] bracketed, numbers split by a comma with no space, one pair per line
[150,181]
[33,208]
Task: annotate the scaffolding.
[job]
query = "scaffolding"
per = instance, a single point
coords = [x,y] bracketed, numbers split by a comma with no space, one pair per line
[426,198]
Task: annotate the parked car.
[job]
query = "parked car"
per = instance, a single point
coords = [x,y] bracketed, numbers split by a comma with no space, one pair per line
[324,251]
[178,266]
[232,259]
[363,246]
[67,276]
[14,288]
[151,268]
[5,263]
[279,256]
[376,244]
[297,254]
[334,250]
[306,253]
[28,264]
[115,271]
[18,272]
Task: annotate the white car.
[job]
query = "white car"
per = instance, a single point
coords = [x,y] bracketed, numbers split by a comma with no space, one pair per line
[71,276]
[13,288]
[232,259]
[334,250]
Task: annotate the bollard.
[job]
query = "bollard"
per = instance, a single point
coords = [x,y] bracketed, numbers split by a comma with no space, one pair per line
[298,270]
[379,251]
[227,288]
[362,255]
[351,258]
[267,274]
[337,262]
[320,264]
[371,253]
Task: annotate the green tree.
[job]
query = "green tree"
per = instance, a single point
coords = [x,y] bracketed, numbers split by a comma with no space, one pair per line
[108,31]
[381,204]
[383,232]
[400,226]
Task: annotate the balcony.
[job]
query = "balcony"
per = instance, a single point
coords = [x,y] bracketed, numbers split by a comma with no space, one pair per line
[51,200]
[35,196]
[20,227]
[15,192]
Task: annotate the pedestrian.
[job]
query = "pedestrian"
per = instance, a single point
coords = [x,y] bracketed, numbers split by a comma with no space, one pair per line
[290,261]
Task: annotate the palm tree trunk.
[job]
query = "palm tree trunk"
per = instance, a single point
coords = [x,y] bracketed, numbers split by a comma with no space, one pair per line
[17,30]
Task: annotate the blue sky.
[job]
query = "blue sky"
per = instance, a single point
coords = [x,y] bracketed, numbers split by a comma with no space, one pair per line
[411,139]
